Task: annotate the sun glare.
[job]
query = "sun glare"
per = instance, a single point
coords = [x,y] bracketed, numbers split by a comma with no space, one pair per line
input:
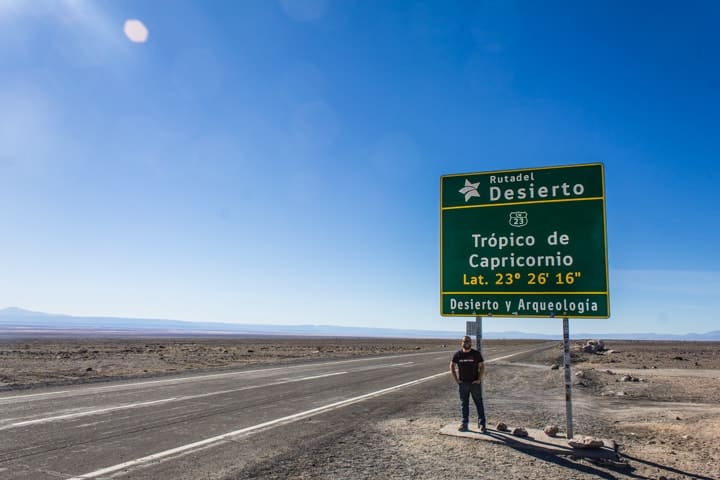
[136,31]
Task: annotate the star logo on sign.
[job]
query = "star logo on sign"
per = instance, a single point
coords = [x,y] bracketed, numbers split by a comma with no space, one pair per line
[470,190]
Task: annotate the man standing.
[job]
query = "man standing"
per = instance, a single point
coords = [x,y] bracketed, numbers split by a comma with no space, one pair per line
[467,368]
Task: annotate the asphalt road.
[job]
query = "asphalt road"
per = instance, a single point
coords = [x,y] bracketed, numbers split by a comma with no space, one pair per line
[204,425]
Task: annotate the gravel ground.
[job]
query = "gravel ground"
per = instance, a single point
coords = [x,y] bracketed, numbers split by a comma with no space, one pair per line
[27,363]
[666,422]
[658,438]
[410,446]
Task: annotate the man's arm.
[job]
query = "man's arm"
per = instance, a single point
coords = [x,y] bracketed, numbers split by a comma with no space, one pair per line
[453,372]
[481,372]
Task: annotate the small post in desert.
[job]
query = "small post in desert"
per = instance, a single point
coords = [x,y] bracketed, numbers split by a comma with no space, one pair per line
[568,381]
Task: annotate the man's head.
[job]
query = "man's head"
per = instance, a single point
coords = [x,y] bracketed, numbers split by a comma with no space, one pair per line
[466,343]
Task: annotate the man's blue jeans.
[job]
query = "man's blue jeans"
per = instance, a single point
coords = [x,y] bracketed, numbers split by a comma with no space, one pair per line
[474,389]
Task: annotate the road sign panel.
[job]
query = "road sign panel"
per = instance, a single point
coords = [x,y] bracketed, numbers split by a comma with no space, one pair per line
[471,327]
[528,243]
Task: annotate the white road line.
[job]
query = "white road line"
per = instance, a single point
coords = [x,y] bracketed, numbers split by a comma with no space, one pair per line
[513,354]
[83,414]
[248,430]
[35,395]
[191,397]
[90,390]
[87,413]
[279,421]
[378,367]
[184,398]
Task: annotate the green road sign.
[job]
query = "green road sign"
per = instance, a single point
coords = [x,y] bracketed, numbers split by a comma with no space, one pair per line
[526,243]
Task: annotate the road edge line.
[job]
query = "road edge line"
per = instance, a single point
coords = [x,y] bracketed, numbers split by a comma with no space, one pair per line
[247,430]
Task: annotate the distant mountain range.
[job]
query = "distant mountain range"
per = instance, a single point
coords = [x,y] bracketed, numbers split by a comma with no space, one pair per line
[17,322]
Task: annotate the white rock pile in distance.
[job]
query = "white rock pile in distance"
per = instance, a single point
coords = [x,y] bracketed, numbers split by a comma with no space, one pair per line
[594,346]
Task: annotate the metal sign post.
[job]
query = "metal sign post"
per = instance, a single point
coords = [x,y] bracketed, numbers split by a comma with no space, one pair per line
[568,381]
[478,345]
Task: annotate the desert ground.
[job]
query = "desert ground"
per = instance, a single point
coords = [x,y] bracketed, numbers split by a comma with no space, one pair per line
[26,363]
[660,401]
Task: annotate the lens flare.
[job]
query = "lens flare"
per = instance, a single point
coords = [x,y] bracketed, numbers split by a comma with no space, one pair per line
[136,31]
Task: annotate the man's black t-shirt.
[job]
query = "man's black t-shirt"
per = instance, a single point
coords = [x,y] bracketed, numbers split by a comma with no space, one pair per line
[468,364]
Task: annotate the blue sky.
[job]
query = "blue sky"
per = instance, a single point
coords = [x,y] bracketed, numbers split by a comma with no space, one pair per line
[279,161]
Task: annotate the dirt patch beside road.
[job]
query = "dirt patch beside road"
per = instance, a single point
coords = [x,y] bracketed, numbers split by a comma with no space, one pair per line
[29,363]
[645,355]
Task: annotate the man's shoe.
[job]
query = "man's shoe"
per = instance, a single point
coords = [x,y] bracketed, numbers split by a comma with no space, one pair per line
[482,428]
[463,427]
